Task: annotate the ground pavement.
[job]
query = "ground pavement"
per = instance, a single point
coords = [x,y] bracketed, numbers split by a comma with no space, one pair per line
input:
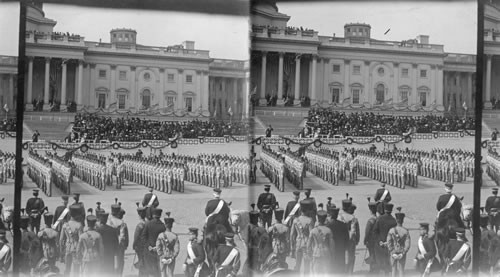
[419,204]
[188,208]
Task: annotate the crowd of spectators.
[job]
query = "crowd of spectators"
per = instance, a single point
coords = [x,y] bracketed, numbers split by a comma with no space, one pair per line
[97,128]
[323,122]
[53,35]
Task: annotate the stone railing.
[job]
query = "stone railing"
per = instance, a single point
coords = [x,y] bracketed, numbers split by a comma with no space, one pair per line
[378,44]
[53,38]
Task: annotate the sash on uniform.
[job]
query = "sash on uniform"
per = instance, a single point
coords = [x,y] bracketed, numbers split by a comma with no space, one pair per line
[3,251]
[421,247]
[460,253]
[449,204]
[384,195]
[292,212]
[230,257]
[217,209]
[152,200]
[192,257]
[61,217]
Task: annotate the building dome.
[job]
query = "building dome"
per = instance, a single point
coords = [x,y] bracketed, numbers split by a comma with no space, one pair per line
[357,30]
[123,36]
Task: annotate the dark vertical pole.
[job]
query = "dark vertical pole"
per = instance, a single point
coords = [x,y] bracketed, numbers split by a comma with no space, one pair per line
[478,119]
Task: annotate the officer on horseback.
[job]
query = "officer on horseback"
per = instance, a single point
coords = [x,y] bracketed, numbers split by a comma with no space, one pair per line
[458,254]
[452,202]
[217,211]
[382,197]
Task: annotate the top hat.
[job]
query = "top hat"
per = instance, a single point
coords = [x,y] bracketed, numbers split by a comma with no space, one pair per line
[254,216]
[48,218]
[388,207]
[169,220]
[278,214]
[296,193]
[157,212]
[424,225]
[193,230]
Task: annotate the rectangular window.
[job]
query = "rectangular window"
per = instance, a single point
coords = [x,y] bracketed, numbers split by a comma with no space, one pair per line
[189,104]
[404,95]
[121,102]
[335,95]
[101,101]
[356,69]
[170,78]
[123,75]
[170,101]
[189,78]
[404,72]
[355,96]
[423,98]
[423,73]
[336,68]
[102,73]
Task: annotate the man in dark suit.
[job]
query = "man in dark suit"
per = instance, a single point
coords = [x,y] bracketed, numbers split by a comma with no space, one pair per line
[266,204]
[61,214]
[383,224]
[292,209]
[490,201]
[34,209]
[452,202]
[110,241]
[149,235]
[382,196]
[340,232]
[217,210]
[150,201]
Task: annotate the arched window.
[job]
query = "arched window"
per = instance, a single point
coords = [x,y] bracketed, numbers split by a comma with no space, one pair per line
[146,99]
[380,94]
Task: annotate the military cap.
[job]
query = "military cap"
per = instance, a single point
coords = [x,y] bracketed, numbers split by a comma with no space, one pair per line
[307,205]
[278,214]
[141,210]
[115,208]
[74,210]
[267,186]
[229,235]
[308,190]
[48,218]
[217,190]
[169,220]
[372,206]
[424,225]
[296,192]
[321,215]
[151,190]
[64,197]
[346,204]
[91,218]
[254,216]
[103,216]
[334,212]
[193,230]
[2,233]
[76,195]
[329,198]
[448,185]
[495,190]
[157,212]
[388,207]
[399,216]
[35,191]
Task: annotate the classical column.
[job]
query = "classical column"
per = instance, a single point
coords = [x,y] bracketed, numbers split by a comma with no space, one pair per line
[29,97]
[92,96]
[112,87]
[395,93]
[263,78]
[79,102]
[439,91]
[487,98]
[235,98]
[326,81]
[432,76]
[161,95]
[280,78]
[366,77]
[180,88]
[445,94]
[63,84]
[414,85]
[347,74]
[468,93]
[133,90]
[297,80]
[313,80]
[46,91]
[246,95]
[10,94]
[205,105]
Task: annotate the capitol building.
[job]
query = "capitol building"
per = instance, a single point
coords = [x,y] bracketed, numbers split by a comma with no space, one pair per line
[122,75]
[355,69]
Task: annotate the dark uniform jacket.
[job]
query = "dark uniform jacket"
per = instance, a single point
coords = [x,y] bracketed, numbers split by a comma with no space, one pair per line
[212,205]
[489,203]
[110,242]
[138,244]
[151,231]
[266,198]
[430,249]
[35,204]
[289,208]
[198,252]
[380,192]
[443,200]
[452,249]
[340,232]
[383,224]
[145,202]
[221,254]
[370,239]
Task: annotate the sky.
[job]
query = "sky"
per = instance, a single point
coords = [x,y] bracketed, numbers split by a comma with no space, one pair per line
[452,23]
[9,16]
[225,36]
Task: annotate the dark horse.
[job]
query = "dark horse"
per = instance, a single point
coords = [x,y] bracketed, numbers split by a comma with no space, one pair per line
[444,228]
[213,235]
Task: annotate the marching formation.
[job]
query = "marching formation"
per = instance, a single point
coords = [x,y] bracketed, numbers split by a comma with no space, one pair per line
[7,166]
[493,165]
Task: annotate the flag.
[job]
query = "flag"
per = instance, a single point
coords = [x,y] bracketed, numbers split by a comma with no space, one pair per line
[229,111]
[465,106]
